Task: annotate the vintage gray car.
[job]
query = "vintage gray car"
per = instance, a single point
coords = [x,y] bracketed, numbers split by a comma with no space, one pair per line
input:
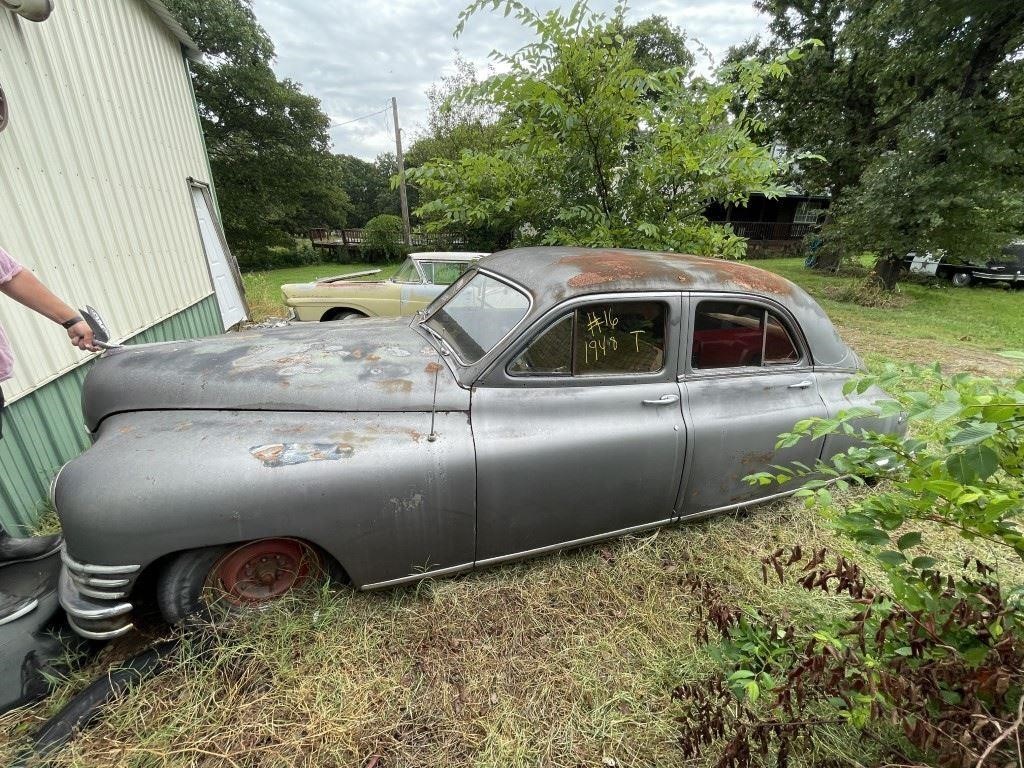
[549,398]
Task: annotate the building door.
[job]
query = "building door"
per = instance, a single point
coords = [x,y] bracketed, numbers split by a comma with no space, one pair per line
[229,295]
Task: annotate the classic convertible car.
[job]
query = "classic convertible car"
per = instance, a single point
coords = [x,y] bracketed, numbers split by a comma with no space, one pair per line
[549,398]
[418,282]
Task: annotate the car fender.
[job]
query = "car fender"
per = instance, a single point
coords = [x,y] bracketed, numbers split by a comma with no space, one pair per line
[378,491]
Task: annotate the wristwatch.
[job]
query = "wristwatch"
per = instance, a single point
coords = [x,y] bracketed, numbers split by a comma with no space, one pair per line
[72,321]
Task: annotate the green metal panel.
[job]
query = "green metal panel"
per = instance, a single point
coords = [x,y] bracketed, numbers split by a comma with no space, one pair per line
[44,429]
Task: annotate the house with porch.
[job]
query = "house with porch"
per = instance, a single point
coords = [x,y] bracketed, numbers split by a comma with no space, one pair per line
[778,224]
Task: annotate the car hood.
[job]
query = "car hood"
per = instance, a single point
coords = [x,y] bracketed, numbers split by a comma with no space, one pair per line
[378,364]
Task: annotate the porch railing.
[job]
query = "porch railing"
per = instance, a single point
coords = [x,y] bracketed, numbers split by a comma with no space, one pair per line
[769,230]
[353,238]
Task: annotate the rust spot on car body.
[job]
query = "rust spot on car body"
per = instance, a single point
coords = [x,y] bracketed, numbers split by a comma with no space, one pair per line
[432,368]
[290,454]
[757,458]
[752,278]
[601,268]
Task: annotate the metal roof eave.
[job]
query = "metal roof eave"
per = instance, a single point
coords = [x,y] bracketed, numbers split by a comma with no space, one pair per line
[191,49]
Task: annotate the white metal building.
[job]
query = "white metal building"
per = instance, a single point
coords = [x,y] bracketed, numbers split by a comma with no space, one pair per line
[106,194]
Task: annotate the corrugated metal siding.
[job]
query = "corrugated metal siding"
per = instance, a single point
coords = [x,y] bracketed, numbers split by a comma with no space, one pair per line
[93,173]
[44,429]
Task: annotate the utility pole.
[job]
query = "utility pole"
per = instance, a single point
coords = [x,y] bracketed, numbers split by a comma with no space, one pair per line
[401,175]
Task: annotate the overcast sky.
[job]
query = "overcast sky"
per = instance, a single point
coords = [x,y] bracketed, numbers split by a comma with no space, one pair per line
[355,56]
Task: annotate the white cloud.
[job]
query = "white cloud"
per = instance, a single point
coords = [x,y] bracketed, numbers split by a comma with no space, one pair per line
[355,56]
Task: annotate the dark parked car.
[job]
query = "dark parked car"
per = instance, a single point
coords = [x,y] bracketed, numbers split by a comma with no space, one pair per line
[549,398]
[1005,269]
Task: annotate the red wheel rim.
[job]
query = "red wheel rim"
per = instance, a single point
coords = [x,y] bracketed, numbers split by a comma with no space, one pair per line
[261,571]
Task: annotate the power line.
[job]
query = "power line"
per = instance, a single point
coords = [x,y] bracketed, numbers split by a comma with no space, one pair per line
[362,117]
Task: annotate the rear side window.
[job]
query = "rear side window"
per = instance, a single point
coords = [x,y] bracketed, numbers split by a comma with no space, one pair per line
[730,334]
[443,272]
[599,339]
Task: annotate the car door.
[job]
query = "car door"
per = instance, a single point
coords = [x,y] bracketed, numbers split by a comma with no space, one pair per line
[748,378]
[578,430]
[419,290]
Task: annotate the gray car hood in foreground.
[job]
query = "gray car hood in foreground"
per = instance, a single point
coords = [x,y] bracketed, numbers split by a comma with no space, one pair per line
[362,365]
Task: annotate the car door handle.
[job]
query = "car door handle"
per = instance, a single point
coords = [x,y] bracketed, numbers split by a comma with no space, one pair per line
[663,400]
[800,384]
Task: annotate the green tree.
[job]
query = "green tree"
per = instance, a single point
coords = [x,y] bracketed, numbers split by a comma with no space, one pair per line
[383,239]
[267,140]
[595,150]
[916,107]
[455,126]
[658,45]
[368,187]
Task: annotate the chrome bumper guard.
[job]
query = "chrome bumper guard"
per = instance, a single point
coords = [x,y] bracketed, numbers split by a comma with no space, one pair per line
[91,596]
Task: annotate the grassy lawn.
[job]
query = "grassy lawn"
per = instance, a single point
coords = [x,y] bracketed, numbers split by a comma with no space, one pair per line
[566,660]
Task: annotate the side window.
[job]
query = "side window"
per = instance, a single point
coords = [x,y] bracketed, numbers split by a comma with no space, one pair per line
[549,354]
[732,334]
[599,339]
[444,272]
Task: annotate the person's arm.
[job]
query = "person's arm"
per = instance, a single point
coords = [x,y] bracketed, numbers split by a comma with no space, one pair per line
[25,288]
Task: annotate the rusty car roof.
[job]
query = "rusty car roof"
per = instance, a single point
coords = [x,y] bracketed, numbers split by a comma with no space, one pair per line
[553,274]
[565,272]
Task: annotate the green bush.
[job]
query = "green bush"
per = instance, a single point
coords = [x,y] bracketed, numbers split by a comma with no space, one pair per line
[383,239]
[299,253]
[923,651]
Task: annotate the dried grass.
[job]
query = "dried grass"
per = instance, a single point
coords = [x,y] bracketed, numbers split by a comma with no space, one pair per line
[563,661]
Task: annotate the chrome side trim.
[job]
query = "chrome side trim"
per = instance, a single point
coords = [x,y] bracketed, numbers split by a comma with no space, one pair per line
[53,485]
[417,576]
[23,611]
[107,635]
[739,505]
[574,542]
[88,568]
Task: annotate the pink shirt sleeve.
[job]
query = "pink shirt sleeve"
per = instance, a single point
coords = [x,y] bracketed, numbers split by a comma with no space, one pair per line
[8,266]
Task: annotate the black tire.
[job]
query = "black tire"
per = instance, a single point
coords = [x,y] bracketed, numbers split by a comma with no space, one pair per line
[85,707]
[180,585]
[332,315]
[185,578]
[962,279]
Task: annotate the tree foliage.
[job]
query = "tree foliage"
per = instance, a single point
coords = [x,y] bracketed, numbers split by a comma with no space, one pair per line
[267,140]
[368,187]
[928,649]
[916,107]
[658,45]
[594,149]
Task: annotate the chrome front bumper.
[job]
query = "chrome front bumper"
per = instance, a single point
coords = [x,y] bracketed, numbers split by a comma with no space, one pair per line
[92,596]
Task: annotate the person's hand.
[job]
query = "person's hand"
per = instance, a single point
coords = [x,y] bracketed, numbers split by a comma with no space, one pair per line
[81,336]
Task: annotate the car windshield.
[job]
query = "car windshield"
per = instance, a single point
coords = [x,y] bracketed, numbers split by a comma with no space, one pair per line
[477,312]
